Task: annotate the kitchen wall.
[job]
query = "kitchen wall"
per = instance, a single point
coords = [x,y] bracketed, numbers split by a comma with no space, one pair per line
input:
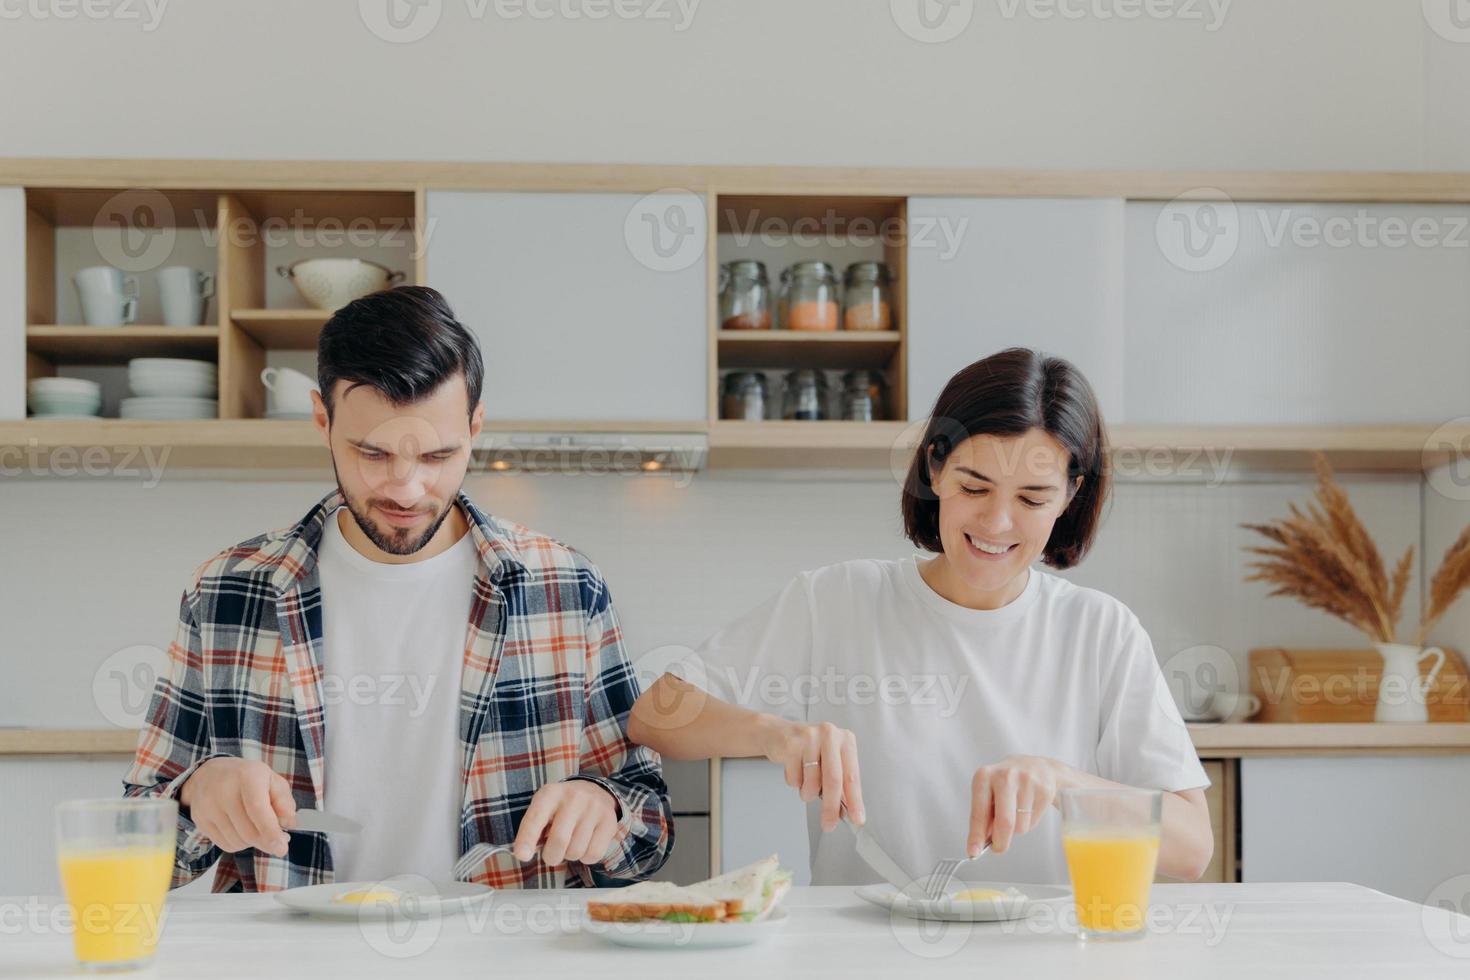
[1208,84]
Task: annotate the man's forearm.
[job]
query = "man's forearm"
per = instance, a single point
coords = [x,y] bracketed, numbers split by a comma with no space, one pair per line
[680,721]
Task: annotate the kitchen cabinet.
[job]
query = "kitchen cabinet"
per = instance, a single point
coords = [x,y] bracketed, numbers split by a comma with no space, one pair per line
[990,273]
[1292,314]
[573,324]
[1394,823]
[13,274]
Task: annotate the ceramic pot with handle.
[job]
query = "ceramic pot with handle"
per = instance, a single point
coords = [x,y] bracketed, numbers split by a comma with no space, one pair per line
[1402,691]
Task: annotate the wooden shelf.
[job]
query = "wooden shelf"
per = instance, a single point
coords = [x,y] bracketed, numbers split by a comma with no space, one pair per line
[283,329]
[117,345]
[794,348]
[1233,740]
[1186,454]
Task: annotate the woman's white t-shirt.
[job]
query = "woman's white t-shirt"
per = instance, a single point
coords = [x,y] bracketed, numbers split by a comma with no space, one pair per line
[934,690]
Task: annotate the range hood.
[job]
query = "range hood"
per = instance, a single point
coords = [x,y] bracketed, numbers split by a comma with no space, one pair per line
[589,452]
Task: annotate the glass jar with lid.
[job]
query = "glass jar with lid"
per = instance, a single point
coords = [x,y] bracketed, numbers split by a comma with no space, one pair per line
[809,297]
[867,297]
[806,395]
[864,395]
[745,296]
[745,396]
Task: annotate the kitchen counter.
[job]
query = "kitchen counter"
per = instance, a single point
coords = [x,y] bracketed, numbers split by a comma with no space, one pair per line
[1223,741]
[1327,930]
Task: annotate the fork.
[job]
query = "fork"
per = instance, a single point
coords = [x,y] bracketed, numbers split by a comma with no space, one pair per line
[471,859]
[943,874]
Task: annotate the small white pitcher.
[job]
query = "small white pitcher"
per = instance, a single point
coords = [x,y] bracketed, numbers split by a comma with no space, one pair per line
[1401,691]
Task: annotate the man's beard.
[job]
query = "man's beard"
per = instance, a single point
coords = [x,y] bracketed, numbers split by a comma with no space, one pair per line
[397,541]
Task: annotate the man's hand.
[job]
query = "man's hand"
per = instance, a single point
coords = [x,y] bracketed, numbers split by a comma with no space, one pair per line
[820,760]
[240,803]
[1008,799]
[578,819]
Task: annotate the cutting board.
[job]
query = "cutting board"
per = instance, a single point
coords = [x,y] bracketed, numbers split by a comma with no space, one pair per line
[1327,686]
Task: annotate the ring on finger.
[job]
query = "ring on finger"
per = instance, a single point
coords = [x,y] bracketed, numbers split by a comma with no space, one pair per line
[807,765]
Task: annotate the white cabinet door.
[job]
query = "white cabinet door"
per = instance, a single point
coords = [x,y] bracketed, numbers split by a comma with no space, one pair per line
[578,316]
[12,303]
[990,273]
[1394,823]
[1303,314]
[760,815]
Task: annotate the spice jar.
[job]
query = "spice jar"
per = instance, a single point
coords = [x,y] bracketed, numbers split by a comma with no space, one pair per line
[864,394]
[745,296]
[809,297]
[867,297]
[745,396]
[806,395]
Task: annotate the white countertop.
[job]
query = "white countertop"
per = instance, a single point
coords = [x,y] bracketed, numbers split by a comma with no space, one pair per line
[1327,930]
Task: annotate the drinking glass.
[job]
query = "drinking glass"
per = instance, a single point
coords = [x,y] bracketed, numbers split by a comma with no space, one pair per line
[1111,839]
[116,858]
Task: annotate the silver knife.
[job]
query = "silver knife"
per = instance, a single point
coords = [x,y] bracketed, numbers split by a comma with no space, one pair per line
[322,822]
[878,859]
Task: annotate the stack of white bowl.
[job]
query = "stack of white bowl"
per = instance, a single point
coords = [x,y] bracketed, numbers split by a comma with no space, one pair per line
[64,398]
[171,388]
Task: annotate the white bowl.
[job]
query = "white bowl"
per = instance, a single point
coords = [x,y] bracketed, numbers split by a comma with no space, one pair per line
[330,284]
[63,386]
[168,408]
[172,364]
[165,386]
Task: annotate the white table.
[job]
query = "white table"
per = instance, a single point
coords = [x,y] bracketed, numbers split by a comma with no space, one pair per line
[1326,930]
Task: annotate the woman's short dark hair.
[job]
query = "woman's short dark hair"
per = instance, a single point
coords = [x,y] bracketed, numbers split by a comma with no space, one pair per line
[1008,394]
[402,342]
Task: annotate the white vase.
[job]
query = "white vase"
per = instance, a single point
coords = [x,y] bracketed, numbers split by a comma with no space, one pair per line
[1401,691]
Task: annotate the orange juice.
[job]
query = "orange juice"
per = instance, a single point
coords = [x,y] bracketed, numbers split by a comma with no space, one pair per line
[1111,875]
[116,896]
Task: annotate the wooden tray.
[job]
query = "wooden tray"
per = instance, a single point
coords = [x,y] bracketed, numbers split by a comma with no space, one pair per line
[1335,686]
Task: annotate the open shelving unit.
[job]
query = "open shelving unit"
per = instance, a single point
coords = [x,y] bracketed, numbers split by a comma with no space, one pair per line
[243,227]
[235,205]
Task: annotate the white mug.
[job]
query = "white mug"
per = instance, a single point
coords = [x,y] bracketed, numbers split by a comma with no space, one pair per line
[290,390]
[184,295]
[109,298]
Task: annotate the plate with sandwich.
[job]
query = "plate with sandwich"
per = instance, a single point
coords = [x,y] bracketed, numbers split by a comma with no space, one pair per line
[978,901]
[737,908]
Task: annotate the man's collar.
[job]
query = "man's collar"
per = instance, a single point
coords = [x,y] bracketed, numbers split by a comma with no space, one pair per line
[298,553]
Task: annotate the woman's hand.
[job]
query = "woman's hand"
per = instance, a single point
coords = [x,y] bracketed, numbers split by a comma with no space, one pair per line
[1008,799]
[820,760]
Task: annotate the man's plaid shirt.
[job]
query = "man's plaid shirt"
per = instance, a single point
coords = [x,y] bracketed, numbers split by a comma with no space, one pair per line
[544,696]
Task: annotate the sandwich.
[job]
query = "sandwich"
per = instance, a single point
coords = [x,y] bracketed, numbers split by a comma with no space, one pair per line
[746,894]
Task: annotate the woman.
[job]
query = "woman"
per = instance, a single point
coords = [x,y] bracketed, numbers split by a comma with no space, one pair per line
[973,686]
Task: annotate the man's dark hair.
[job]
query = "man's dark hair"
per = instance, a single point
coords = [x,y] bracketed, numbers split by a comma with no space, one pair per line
[1007,395]
[402,342]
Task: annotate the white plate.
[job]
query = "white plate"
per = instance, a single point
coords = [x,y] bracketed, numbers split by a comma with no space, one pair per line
[687,935]
[947,910]
[423,899]
[168,408]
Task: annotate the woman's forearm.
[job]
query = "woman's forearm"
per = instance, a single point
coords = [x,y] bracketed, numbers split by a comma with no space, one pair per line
[680,721]
[1186,841]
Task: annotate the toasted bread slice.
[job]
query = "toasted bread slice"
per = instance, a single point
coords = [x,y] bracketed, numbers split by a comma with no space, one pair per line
[656,900]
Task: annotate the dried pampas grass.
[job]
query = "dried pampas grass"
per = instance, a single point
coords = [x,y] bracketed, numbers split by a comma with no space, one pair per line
[1324,558]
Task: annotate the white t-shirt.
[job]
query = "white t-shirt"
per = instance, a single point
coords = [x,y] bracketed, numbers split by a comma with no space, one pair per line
[934,690]
[394,640]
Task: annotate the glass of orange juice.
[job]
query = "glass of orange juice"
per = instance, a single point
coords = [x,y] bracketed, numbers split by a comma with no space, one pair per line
[116,858]
[1111,838]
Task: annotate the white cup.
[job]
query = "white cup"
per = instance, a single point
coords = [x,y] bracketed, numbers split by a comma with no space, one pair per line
[184,295]
[1234,706]
[109,298]
[289,390]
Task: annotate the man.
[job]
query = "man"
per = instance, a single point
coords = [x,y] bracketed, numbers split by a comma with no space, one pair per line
[449,680]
